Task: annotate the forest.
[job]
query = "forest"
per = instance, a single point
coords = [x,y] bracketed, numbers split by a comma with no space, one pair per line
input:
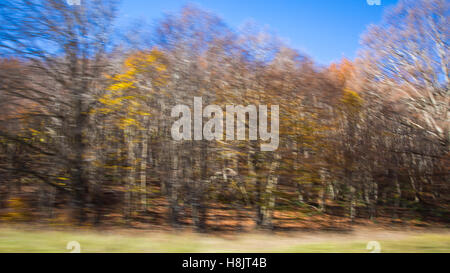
[85,122]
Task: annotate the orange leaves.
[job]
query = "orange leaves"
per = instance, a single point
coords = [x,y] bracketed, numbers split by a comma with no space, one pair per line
[342,72]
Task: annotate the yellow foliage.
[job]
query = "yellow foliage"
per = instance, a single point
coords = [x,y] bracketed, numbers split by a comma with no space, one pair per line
[122,97]
[17,210]
[34,132]
[122,85]
[351,99]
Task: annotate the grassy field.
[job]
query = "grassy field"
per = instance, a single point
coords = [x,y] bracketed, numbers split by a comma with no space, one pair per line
[18,240]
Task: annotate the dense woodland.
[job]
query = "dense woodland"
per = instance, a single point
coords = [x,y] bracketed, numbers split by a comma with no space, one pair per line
[85,120]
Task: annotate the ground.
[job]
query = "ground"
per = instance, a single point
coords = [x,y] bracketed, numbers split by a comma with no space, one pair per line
[21,239]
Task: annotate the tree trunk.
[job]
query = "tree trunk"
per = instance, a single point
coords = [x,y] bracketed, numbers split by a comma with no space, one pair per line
[269,197]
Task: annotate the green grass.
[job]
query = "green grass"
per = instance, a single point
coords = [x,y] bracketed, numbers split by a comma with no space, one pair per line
[427,243]
[14,240]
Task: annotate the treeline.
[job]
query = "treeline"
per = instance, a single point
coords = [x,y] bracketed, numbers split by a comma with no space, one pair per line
[86,120]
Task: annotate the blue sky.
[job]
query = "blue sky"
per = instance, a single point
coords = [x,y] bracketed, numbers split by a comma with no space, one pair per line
[326,30]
